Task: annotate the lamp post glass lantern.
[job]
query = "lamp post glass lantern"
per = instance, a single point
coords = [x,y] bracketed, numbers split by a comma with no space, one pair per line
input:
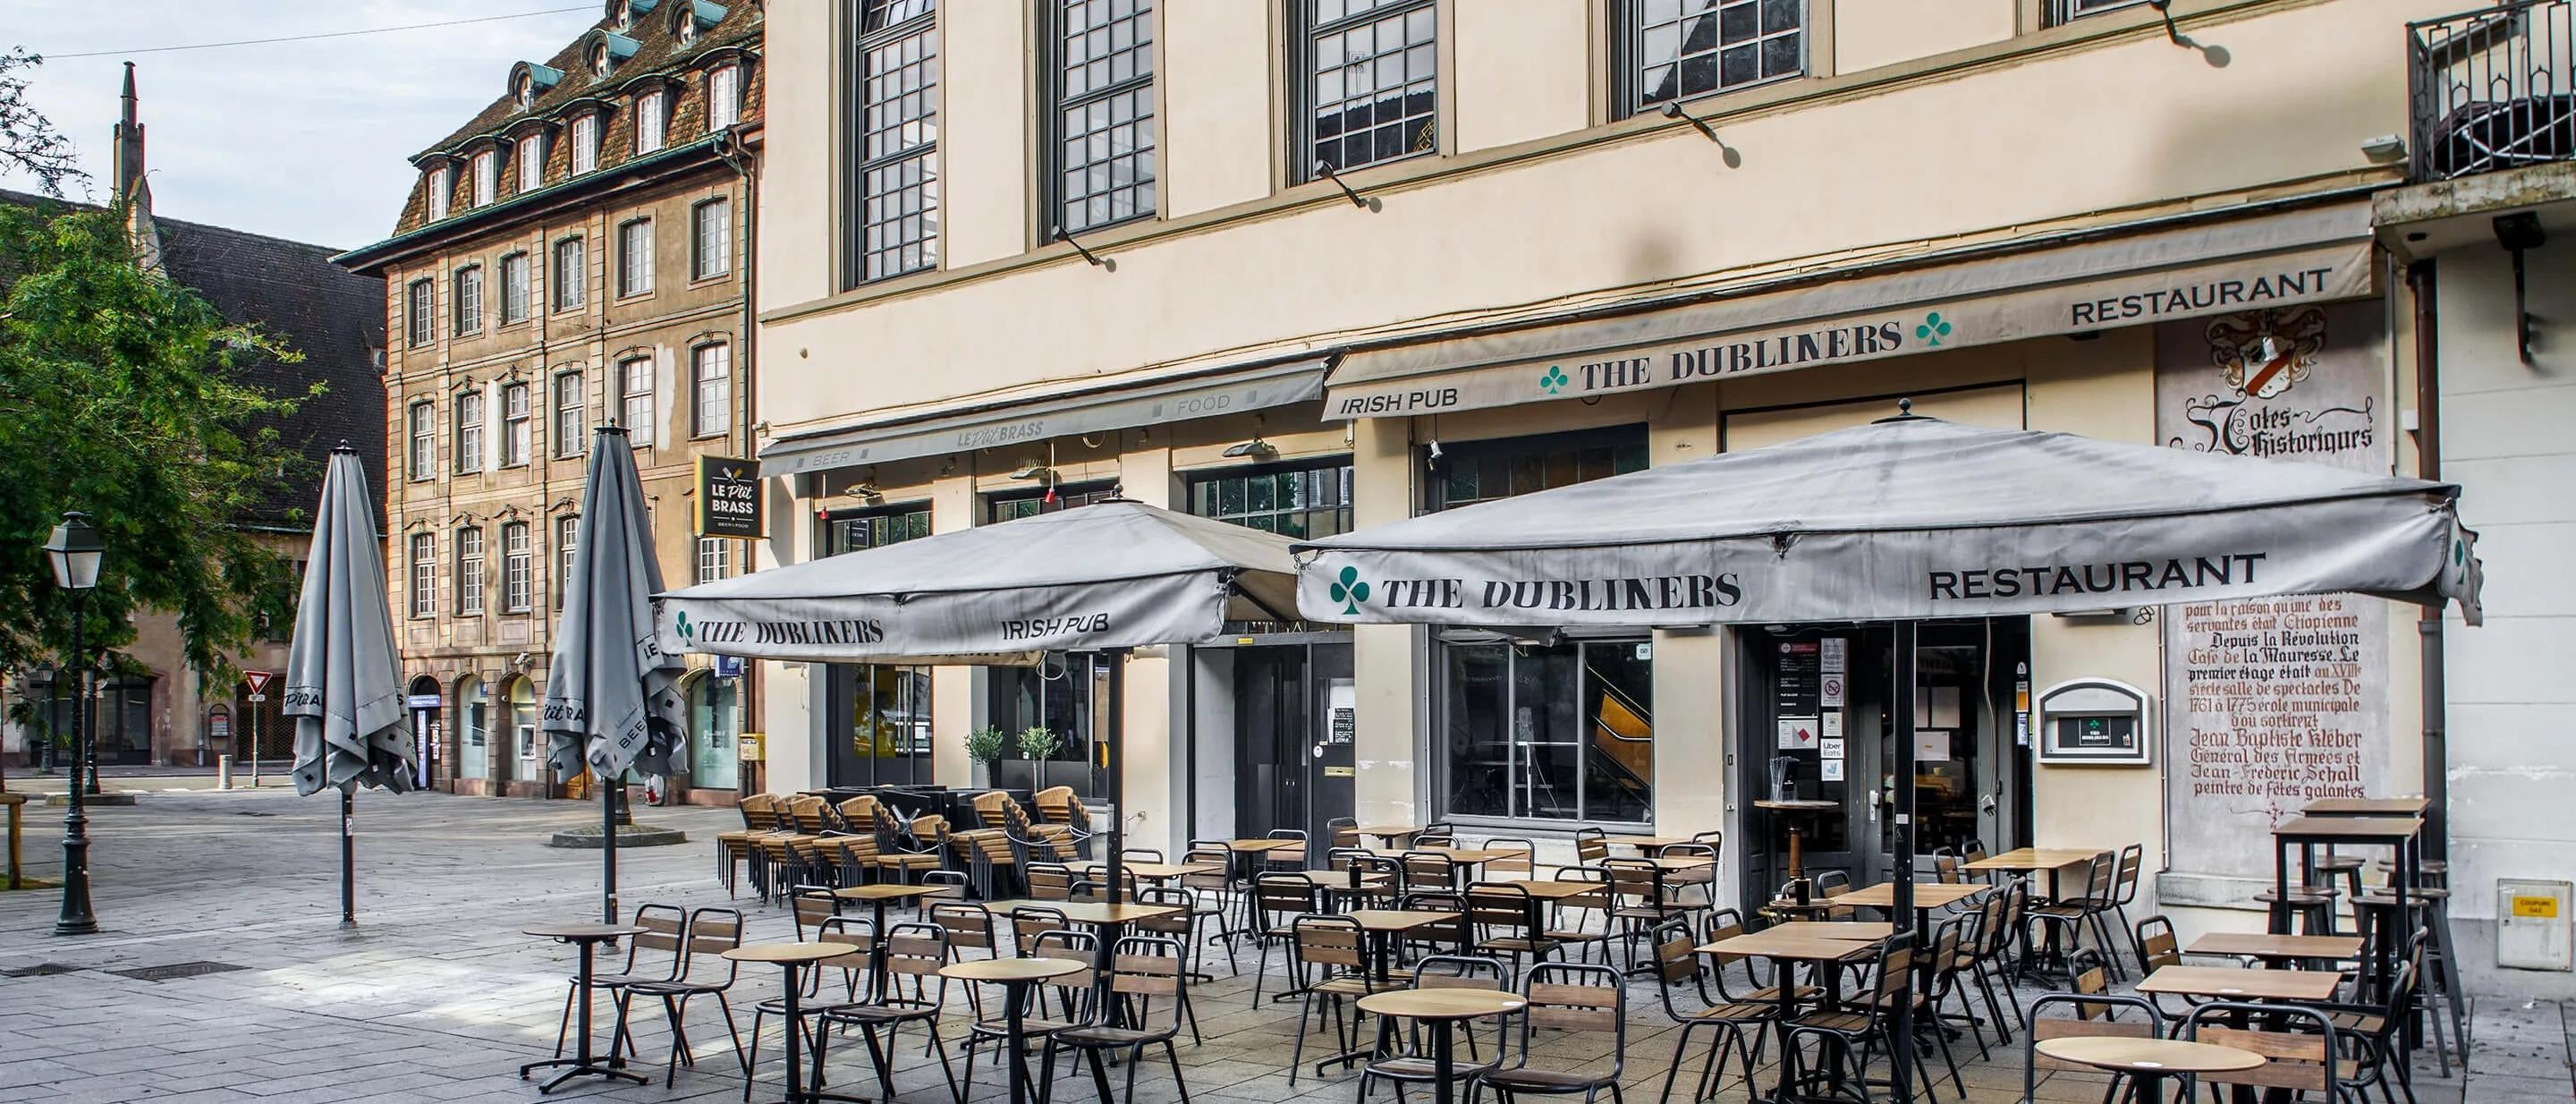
[75,551]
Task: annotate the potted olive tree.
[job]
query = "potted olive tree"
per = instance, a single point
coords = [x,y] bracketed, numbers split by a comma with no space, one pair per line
[984,747]
[1038,745]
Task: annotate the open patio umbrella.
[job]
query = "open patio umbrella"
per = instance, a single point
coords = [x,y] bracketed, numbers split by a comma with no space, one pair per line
[612,693]
[343,674]
[1906,519]
[1104,578]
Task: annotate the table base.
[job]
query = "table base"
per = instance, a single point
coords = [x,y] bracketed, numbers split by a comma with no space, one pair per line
[580,1067]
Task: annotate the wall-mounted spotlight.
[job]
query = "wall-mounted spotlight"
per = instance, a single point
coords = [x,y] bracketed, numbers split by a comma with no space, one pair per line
[1255,448]
[1325,169]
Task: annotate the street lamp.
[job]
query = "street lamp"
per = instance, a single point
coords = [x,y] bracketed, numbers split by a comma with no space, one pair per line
[75,551]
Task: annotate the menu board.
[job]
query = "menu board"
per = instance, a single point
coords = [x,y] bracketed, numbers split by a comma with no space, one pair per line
[1797,693]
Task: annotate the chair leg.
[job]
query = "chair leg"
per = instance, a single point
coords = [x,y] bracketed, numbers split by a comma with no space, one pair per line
[563,1031]
[1099,1074]
[1178,1082]
[751,1059]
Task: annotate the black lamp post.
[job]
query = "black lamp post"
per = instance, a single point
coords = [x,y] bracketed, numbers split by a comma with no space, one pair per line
[75,551]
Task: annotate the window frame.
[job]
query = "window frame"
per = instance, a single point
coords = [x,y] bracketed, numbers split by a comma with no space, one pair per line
[652,121]
[628,284]
[1440,753]
[639,431]
[422,463]
[468,430]
[1304,29]
[701,251]
[469,571]
[530,149]
[567,545]
[1212,480]
[420,312]
[2058,13]
[518,571]
[699,422]
[585,143]
[861,237]
[1627,47]
[424,576]
[572,438]
[1054,165]
[466,295]
[730,103]
[518,289]
[722,562]
[487,178]
[517,443]
[442,191]
[574,293]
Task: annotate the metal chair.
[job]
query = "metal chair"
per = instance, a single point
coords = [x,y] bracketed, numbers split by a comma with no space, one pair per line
[2300,1061]
[1277,902]
[1328,955]
[1412,1064]
[1505,920]
[859,935]
[1567,997]
[711,932]
[1140,1003]
[2093,1017]
[655,955]
[1729,1021]
[1851,1035]
[914,953]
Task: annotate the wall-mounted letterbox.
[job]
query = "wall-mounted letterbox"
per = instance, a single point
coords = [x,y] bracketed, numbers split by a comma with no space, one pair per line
[2102,721]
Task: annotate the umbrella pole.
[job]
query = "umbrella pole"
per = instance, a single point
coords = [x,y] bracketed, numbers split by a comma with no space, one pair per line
[348,863]
[608,850]
[1117,771]
[1901,834]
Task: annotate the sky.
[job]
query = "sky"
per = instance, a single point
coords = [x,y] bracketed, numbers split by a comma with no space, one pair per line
[308,141]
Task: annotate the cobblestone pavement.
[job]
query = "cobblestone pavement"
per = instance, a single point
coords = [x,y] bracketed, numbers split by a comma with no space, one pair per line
[436,996]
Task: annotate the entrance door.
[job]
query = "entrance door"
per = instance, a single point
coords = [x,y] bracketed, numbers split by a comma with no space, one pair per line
[1818,714]
[1294,710]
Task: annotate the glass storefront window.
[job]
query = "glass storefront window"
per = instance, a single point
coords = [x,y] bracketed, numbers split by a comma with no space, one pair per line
[712,724]
[1306,500]
[1057,694]
[523,729]
[1020,504]
[474,729]
[881,712]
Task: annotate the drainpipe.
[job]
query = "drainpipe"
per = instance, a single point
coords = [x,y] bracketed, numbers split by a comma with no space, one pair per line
[2428,624]
[747,340]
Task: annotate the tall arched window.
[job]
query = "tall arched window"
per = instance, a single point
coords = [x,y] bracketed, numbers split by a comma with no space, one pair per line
[473,729]
[713,724]
[523,730]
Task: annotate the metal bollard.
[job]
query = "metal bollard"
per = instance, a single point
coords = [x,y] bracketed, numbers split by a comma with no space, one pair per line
[223,772]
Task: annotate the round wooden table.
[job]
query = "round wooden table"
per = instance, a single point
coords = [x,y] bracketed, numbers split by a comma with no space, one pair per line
[2147,1062]
[587,937]
[1441,1009]
[794,958]
[1015,976]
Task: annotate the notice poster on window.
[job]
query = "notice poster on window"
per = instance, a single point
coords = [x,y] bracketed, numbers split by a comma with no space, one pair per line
[2272,703]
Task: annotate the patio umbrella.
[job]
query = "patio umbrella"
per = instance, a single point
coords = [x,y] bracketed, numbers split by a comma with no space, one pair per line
[1104,578]
[612,692]
[343,674]
[1906,519]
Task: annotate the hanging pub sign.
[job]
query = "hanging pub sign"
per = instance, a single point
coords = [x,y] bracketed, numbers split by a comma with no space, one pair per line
[729,498]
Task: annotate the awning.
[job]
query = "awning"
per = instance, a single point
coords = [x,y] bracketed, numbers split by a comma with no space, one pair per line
[1062,414]
[2312,255]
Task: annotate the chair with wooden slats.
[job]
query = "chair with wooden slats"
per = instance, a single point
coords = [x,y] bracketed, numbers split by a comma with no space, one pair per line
[805,814]
[854,857]
[1568,999]
[1412,1063]
[655,955]
[1141,1003]
[2092,1016]
[704,971]
[989,808]
[1735,1027]
[1048,881]
[1328,957]
[900,851]
[1506,922]
[916,994]
[733,849]
[858,814]
[2301,1060]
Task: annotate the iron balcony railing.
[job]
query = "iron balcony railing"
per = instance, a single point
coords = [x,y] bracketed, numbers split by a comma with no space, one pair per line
[2490,88]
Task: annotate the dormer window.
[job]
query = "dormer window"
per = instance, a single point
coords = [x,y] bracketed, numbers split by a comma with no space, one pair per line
[487,178]
[442,185]
[650,115]
[523,92]
[724,97]
[532,161]
[585,143]
[688,31]
[599,60]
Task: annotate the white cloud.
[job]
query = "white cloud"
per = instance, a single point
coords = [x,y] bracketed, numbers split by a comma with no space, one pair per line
[301,140]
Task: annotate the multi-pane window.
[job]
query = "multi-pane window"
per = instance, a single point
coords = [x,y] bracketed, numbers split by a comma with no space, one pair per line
[514,425]
[585,143]
[710,239]
[874,528]
[1481,471]
[422,324]
[442,191]
[424,440]
[724,97]
[883,710]
[650,120]
[1104,112]
[1679,49]
[487,177]
[635,398]
[635,257]
[469,430]
[424,575]
[516,584]
[567,542]
[715,558]
[1312,500]
[898,192]
[711,399]
[1370,82]
[469,300]
[532,162]
[571,278]
[2066,11]
[469,572]
[570,418]
[1012,507]
[514,288]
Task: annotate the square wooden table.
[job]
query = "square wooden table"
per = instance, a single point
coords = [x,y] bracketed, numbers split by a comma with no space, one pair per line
[2244,983]
[2366,806]
[1644,843]
[1869,931]
[1383,925]
[1393,834]
[1154,871]
[1817,942]
[1108,919]
[878,895]
[2398,833]
[2264,945]
[2032,860]
[1927,896]
[1549,890]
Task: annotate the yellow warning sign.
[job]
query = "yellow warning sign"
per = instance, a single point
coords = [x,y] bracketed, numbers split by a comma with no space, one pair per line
[2543,908]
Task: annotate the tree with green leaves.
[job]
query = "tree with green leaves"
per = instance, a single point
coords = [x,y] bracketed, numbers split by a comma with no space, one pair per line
[121,395]
[28,141]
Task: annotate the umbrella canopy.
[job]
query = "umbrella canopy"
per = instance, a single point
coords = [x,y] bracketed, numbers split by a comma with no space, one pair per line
[343,675]
[612,692]
[1115,574]
[1906,518]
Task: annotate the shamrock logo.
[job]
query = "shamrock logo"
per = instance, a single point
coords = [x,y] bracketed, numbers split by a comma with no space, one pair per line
[1350,591]
[1933,329]
[1554,381]
[688,632]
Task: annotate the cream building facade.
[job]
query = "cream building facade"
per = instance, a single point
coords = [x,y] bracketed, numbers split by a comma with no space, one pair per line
[1022,255]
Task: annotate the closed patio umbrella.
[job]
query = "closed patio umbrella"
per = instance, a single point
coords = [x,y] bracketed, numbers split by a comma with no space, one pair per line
[343,674]
[612,693]
[1903,520]
[1105,578]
